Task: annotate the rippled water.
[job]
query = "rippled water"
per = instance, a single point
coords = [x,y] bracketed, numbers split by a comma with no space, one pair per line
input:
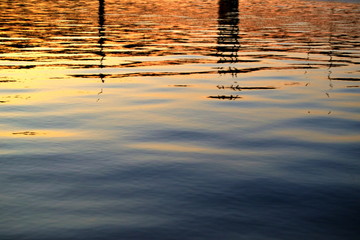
[169,119]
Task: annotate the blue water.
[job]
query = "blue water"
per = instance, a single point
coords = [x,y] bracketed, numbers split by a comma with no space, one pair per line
[179,120]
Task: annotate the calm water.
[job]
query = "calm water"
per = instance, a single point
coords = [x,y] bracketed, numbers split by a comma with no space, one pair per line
[179,119]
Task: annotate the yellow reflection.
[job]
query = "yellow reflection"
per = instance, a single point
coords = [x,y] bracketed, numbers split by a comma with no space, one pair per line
[179,148]
[39,133]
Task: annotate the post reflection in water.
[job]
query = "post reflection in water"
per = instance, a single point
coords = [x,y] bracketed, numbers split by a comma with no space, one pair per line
[228,43]
[101,41]
[102,36]
[228,27]
[331,51]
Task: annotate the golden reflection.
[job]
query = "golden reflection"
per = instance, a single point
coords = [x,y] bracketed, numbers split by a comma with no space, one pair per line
[40,133]
[69,46]
[184,148]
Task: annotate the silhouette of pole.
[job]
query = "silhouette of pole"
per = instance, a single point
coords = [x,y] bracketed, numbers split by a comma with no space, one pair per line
[228,26]
[101,33]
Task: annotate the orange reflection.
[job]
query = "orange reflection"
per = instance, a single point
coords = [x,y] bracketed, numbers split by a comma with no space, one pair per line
[61,50]
[39,133]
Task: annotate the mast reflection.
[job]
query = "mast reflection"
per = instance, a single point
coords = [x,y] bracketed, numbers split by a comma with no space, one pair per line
[228,43]
[102,37]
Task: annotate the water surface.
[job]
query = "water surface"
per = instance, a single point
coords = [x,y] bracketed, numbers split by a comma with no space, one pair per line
[191,119]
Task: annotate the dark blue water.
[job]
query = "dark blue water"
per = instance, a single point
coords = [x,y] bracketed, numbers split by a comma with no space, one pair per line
[173,120]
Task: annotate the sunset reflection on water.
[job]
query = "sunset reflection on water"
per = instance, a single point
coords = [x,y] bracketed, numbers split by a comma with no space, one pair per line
[169,119]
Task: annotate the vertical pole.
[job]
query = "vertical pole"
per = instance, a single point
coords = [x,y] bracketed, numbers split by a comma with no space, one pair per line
[101,32]
[228,27]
